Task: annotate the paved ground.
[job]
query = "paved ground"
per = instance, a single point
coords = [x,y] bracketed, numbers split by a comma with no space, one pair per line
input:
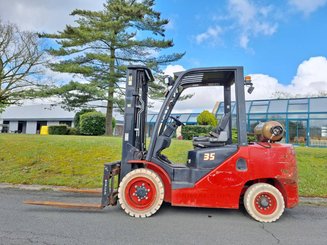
[21,224]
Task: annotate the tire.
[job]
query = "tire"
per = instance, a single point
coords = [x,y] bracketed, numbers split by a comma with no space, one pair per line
[141,193]
[264,202]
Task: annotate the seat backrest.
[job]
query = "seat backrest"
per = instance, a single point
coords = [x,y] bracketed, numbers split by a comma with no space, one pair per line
[223,123]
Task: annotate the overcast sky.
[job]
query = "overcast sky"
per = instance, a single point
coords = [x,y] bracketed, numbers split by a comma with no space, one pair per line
[281,43]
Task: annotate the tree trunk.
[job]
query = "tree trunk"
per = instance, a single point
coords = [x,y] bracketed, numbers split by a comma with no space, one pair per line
[109,129]
[111,90]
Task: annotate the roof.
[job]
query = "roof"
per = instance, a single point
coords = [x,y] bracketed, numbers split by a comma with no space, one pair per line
[42,112]
[37,112]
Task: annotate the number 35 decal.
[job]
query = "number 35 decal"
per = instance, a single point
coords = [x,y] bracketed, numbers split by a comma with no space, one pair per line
[209,156]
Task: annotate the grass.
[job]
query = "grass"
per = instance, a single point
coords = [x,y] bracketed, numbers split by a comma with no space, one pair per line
[77,161]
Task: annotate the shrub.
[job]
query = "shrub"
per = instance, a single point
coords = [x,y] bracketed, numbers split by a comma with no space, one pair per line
[72,131]
[78,115]
[61,129]
[207,118]
[190,131]
[92,123]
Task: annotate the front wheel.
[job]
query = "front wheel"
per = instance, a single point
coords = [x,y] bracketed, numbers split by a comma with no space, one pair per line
[264,202]
[141,193]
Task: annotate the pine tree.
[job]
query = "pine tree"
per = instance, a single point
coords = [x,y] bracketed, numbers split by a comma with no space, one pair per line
[100,47]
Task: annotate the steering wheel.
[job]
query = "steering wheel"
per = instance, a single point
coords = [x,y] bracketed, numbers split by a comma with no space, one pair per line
[179,123]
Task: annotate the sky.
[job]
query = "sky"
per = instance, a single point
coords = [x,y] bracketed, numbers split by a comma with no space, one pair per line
[282,44]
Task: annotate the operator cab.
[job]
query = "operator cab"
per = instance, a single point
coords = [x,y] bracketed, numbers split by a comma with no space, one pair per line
[210,151]
[221,136]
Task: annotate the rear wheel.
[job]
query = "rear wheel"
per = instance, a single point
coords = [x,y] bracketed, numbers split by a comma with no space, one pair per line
[141,193]
[264,202]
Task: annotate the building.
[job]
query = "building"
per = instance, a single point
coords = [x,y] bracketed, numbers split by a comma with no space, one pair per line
[29,119]
[305,119]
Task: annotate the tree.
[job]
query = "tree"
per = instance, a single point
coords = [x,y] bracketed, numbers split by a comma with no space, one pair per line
[100,47]
[20,58]
[206,118]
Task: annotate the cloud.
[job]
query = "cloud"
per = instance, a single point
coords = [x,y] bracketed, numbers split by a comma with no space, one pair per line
[245,19]
[251,20]
[43,16]
[307,6]
[171,69]
[310,79]
[212,35]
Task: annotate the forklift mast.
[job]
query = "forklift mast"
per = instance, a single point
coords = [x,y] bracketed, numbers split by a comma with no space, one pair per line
[136,104]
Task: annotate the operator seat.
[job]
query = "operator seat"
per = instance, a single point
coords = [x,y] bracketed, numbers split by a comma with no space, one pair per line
[218,137]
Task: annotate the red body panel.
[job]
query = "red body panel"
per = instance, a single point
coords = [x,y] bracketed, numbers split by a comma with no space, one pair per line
[223,186]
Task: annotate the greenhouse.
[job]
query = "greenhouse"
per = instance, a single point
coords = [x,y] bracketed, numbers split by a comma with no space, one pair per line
[305,119]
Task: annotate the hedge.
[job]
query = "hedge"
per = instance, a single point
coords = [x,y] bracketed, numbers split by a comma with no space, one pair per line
[190,131]
[61,129]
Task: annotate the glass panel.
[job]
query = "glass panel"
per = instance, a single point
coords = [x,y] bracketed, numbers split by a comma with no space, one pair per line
[234,122]
[318,115]
[258,108]
[154,119]
[221,108]
[318,133]
[192,118]
[318,105]
[278,106]
[276,117]
[247,106]
[298,108]
[298,101]
[149,117]
[304,115]
[183,118]
[234,110]
[297,132]
[260,102]
[258,116]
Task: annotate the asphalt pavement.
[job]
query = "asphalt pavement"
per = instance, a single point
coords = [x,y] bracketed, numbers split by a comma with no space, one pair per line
[23,224]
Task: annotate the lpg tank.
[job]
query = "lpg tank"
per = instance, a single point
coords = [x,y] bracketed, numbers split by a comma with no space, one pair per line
[271,131]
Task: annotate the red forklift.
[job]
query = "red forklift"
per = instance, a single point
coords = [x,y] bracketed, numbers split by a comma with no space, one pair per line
[218,174]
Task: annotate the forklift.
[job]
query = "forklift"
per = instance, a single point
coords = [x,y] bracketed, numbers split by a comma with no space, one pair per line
[260,175]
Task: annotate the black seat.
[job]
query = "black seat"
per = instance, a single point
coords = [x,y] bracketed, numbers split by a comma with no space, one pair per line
[217,137]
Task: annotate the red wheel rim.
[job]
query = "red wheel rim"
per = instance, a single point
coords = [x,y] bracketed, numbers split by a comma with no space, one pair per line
[265,203]
[140,193]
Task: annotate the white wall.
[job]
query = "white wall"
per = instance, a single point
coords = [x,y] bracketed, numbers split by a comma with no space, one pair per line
[13,126]
[1,122]
[31,127]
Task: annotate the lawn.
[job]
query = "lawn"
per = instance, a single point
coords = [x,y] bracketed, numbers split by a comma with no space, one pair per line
[77,161]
